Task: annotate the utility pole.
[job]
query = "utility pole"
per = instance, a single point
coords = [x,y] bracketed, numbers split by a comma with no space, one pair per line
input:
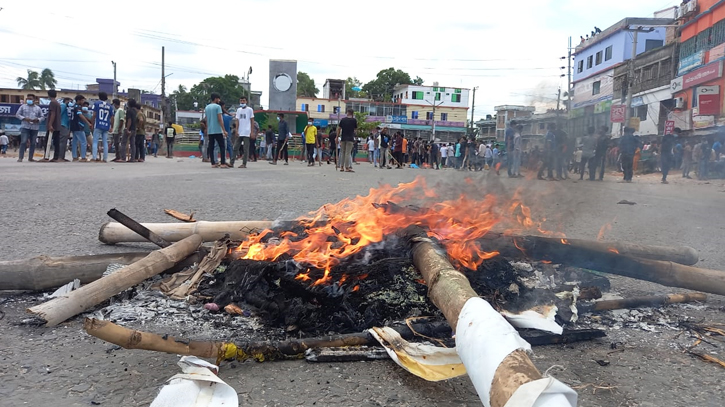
[115,87]
[630,79]
[568,90]
[473,107]
[164,106]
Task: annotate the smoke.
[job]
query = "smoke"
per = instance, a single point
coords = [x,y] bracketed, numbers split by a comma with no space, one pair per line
[544,96]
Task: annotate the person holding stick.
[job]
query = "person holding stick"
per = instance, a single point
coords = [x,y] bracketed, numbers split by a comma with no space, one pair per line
[282,140]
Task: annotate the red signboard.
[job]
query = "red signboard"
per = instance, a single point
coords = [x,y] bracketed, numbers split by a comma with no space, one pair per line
[669,126]
[708,104]
[702,75]
[618,113]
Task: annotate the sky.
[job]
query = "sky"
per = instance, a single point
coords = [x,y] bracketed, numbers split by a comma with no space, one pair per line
[511,50]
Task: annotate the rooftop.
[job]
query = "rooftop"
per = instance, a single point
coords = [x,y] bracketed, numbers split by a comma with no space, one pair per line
[622,25]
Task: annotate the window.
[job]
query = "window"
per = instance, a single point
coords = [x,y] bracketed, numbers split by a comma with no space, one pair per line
[3,98]
[435,89]
[590,61]
[321,108]
[429,115]
[304,107]
[542,126]
[444,117]
[456,98]
[15,99]
[458,91]
[438,96]
[442,89]
[703,40]
[596,86]
[688,48]
[414,114]
[718,33]
[417,95]
[608,53]
[580,68]
[598,58]
[649,72]
[652,44]
[406,94]
[639,111]
[335,109]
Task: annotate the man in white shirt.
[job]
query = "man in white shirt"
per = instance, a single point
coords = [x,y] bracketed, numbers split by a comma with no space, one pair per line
[371,149]
[444,155]
[245,118]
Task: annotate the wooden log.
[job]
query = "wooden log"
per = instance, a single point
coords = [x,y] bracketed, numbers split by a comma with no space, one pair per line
[43,272]
[649,301]
[113,232]
[451,292]
[667,273]
[180,216]
[138,228]
[557,249]
[290,349]
[59,309]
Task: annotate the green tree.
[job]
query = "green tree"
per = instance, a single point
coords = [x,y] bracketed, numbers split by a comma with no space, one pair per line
[47,79]
[364,128]
[382,87]
[306,85]
[228,87]
[351,83]
[31,82]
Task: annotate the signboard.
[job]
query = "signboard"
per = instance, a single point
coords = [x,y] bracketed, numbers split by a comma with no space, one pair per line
[634,123]
[701,122]
[702,75]
[396,119]
[690,62]
[320,122]
[602,107]
[708,104]
[10,109]
[676,85]
[716,53]
[669,126]
[682,119]
[637,101]
[618,113]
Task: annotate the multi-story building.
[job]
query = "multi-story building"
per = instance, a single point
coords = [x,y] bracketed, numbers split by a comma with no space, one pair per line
[506,113]
[11,99]
[447,118]
[324,112]
[698,87]
[595,60]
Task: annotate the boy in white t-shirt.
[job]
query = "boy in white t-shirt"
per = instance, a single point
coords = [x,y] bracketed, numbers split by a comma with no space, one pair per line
[444,155]
[371,150]
[3,143]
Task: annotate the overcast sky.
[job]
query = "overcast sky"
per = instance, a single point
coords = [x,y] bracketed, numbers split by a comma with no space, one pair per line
[510,49]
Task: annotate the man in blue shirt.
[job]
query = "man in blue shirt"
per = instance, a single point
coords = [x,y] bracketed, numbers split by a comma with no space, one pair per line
[627,146]
[77,123]
[226,116]
[215,130]
[102,113]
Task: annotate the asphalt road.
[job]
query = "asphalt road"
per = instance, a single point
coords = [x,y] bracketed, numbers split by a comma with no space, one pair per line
[57,209]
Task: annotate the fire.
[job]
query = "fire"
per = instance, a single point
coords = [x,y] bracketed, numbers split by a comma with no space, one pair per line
[564,241]
[606,228]
[613,250]
[337,231]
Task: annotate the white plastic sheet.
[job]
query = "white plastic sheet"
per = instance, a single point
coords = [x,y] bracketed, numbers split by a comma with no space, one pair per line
[198,386]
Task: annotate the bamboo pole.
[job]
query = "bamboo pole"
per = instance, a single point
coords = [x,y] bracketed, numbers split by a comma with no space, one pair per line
[451,292]
[113,232]
[649,301]
[43,272]
[60,309]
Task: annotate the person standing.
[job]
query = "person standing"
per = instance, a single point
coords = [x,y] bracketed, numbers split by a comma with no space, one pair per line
[516,153]
[102,113]
[332,145]
[600,153]
[245,120]
[140,135]
[269,139]
[666,153]
[346,131]
[30,116]
[628,146]
[215,131]
[509,142]
[589,147]
[310,137]
[705,153]
[3,143]
[444,155]
[131,123]
[283,138]
[549,153]
[117,131]
[398,150]
[384,146]
[371,149]
[78,122]
[170,133]
[686,160]
[53,125]
[228,142]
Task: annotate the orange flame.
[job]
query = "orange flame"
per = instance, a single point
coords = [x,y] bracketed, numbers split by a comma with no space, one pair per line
[613,250]
[564,241]
[606,228]
[337,231]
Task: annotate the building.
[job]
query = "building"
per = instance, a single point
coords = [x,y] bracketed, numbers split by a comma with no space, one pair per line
[323,111]
[651,93]
[11,99]
[506,113]
[334,89]
[188,117]
[447,118]
[595,60]
[486,128]
[698,87]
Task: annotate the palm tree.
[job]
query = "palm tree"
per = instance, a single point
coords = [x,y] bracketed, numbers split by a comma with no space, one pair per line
[31,82]
[47,79]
